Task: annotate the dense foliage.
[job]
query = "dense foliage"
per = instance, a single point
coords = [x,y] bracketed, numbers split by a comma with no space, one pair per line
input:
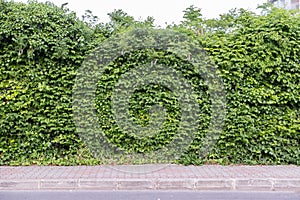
[259,61]
[42,46]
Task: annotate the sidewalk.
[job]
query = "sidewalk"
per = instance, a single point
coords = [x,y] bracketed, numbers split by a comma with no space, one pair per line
[151,177]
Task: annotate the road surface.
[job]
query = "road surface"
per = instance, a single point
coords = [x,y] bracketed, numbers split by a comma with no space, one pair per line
[146,195]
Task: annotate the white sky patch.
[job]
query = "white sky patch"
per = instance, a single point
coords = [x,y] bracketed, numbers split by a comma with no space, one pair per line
[163,11]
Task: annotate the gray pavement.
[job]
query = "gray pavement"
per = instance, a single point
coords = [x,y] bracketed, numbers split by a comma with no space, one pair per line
[152,177]
[146,195]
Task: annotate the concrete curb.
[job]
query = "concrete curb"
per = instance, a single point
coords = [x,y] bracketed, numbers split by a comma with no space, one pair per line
[235,184]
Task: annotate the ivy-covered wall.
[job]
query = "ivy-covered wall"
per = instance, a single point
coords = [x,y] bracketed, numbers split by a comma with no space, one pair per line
[260,64]
[42,46]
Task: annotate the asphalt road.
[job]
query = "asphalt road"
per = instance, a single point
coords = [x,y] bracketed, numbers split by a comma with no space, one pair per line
[145,195]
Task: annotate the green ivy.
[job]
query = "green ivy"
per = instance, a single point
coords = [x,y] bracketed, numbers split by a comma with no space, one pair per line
[42,46]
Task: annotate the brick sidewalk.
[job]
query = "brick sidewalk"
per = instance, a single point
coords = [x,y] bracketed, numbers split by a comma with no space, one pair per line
[151,177]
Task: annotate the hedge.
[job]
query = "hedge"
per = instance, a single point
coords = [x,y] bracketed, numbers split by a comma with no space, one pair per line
[43,46]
